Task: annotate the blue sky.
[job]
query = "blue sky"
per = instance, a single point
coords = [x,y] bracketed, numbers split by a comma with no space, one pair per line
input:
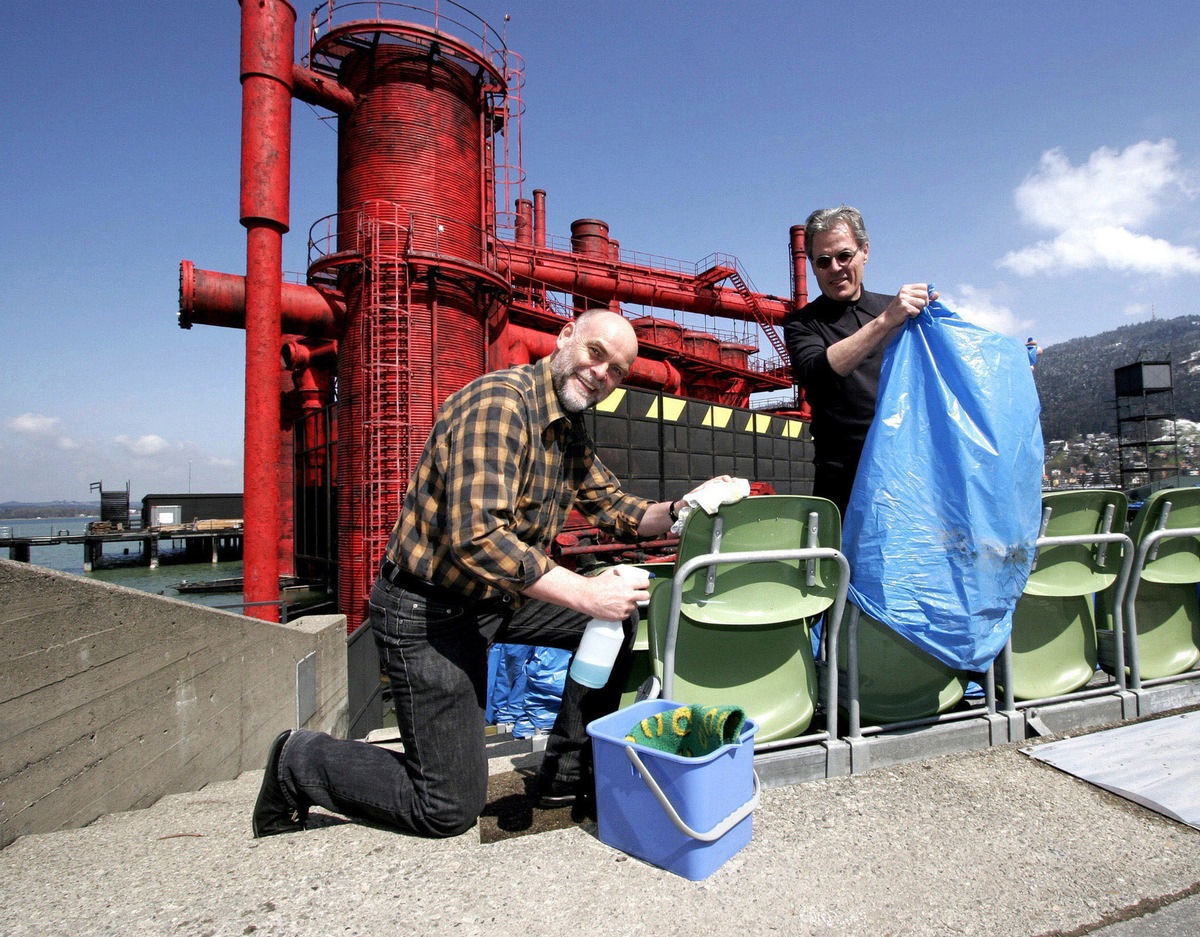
[1038,162]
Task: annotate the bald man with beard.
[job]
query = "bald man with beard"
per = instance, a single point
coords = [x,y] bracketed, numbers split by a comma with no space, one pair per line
[467,565]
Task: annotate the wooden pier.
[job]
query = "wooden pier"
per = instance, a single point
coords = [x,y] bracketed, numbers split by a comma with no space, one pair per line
[203,539]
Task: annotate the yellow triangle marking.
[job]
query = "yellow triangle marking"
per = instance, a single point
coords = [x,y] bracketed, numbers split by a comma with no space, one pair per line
[610,403]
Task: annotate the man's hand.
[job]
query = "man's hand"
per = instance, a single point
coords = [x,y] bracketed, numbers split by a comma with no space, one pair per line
[616,593]
[609,595]
[908,303]
[717,480]
[846,355]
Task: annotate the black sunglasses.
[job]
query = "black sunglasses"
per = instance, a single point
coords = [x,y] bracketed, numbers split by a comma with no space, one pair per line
[825,261]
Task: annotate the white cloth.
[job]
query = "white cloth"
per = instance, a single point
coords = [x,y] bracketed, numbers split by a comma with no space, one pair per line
[710,496]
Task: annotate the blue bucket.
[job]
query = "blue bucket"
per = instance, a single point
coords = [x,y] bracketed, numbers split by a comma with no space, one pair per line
[685,815]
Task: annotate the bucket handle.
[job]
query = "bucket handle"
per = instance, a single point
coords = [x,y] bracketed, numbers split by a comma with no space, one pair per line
[722,827]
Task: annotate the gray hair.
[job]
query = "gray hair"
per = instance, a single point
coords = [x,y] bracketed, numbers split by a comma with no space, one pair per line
[825,219]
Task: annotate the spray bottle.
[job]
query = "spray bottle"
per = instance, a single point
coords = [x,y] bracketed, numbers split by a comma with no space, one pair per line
[602,639]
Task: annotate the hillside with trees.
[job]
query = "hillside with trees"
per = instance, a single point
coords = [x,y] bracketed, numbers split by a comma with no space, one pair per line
[1075,378]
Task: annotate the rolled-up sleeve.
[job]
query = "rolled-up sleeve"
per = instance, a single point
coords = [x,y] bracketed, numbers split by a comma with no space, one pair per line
[602,502]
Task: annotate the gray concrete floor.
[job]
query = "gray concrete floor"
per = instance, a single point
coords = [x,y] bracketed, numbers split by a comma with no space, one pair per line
[980,843]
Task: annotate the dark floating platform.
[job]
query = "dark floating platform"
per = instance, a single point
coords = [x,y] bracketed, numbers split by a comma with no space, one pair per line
[232,584]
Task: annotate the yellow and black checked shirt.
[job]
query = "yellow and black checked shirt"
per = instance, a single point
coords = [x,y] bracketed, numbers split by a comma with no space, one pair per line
[502,467]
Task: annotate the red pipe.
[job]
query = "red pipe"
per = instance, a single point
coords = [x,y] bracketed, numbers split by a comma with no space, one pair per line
[266,59]
[285,479]
[266,73]
[210,298]
[528,345]
[799,267]
[524,225]
[601,281]
[539,218]
[300,354]
[321,91]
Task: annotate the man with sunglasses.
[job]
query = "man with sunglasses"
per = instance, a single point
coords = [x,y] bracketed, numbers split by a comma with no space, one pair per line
[836,343]
[467,564]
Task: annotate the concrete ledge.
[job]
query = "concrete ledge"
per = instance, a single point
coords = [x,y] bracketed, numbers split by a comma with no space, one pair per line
[111,698]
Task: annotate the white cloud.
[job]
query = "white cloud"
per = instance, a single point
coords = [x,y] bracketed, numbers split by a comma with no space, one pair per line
[148,445]
[1137,310]
[1098,207]
[43,463]
[42,429]
[32,424]
[978,306]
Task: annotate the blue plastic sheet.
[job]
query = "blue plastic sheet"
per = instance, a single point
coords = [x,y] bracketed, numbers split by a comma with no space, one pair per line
[506,682]
[942,523]
[525,686]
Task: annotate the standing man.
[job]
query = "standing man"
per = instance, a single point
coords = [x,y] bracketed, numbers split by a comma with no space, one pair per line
[467,565]
[836,343]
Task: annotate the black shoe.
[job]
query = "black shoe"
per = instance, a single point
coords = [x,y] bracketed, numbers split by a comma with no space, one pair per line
[273,814]
[555,794]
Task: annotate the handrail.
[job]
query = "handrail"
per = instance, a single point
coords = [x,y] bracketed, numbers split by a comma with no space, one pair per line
[282,603]
[492,43]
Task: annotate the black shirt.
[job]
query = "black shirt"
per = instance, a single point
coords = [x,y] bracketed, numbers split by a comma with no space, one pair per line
[842,407]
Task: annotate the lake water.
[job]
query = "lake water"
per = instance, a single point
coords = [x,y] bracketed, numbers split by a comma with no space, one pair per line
[123,564]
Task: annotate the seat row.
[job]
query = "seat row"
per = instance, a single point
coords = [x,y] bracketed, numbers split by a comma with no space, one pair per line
[754,612]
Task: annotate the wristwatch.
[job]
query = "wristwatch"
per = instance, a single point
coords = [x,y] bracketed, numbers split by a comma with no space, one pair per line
[674,513]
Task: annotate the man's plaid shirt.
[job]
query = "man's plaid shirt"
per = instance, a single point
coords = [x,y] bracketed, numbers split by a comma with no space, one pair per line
[503,466]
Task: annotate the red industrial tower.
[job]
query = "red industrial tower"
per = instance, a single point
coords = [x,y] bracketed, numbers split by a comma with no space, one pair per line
[423,279]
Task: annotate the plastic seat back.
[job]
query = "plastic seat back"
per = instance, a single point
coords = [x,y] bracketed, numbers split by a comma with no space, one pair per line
[897,681]
[762,593]
[1053,642]
[1175,559]
[1162,612]
[744,629]
[1078,568]
[1054,646]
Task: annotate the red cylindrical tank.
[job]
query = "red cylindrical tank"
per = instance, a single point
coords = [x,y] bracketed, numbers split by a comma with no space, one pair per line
[736,355]
[411,173]
[702,345]
[590,236]
[661,332]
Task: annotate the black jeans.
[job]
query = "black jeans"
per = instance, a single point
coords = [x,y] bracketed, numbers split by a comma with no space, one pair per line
[434,651]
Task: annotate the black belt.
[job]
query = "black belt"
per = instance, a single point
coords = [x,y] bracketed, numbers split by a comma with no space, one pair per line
[403,579]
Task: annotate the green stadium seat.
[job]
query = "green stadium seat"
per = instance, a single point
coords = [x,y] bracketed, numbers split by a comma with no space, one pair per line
[896,680]
[1161,610]
[1053,643]
[741,633]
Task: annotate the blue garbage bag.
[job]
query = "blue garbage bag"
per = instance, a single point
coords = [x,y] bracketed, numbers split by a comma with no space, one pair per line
[506,682]
[942,523]
[545,677]
[525,686]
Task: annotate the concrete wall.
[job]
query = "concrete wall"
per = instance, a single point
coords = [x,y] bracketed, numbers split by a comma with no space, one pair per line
[111,698]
